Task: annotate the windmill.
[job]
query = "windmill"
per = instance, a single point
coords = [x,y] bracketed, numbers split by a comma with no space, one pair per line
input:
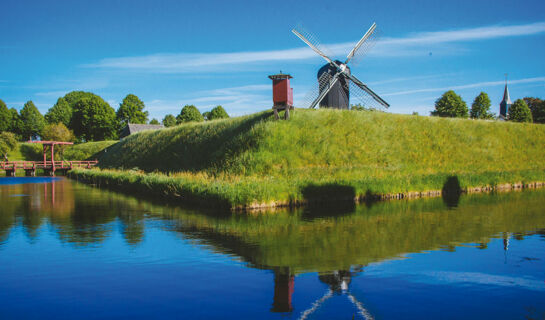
[335,81]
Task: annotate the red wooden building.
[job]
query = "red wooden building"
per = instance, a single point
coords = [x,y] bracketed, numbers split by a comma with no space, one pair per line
[282,94]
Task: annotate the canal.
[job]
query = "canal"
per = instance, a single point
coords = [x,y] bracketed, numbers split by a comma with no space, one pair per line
[69,250]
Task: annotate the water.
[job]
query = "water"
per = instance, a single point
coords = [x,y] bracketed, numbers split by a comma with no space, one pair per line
[69,251]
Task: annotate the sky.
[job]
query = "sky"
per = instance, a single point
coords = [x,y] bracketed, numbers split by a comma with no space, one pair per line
[208,53]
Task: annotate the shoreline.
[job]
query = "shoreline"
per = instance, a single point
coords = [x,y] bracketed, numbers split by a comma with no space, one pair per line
[193,194]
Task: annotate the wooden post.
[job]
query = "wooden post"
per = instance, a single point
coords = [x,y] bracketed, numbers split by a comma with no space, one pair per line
[52,159]
[45,151]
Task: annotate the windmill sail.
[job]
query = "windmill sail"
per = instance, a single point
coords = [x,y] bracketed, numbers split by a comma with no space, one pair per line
[312,41]
[368,91]
[360,43]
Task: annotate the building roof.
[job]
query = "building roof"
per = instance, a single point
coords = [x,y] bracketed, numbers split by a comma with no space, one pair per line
[280,76]
[132,128]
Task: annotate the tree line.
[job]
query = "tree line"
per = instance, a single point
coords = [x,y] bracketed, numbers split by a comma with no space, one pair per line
[452,105]
[84,116]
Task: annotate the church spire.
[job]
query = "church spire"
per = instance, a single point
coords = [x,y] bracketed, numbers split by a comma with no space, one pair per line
[506,102]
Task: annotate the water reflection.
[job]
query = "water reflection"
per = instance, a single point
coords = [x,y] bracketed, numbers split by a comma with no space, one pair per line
[337,243]
[81,216]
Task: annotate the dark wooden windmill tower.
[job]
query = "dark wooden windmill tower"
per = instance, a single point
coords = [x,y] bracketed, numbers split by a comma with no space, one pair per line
[282,94]
[335,81]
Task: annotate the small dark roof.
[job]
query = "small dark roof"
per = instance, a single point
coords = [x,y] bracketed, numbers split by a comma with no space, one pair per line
[280,76]
[132,128]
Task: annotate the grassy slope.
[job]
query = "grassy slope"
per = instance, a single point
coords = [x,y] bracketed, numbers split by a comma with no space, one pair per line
[254,159]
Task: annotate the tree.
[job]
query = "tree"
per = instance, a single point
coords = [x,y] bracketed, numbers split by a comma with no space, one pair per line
[74,96]
[217,113]
[58,132]
[154,121]
[537,107]
[131,111]
[8,142]
[93,119]
[206,114]
[481,107]
[169,121]
[16,124]
[32,120]
[450,105]
[5,117]
[189,113]
[61,112]
[519,112]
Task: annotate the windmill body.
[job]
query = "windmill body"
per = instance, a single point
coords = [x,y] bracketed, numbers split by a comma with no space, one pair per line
[338,96]
[335,81]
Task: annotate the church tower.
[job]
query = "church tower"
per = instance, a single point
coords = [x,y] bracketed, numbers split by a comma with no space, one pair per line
[506,102]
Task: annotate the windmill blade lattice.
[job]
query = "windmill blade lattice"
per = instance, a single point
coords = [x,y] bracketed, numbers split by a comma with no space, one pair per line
[365,47]
[358,96]
[325,83]
[313,41]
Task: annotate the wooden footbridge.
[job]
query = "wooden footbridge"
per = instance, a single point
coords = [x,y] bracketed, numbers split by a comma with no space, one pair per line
[48,166]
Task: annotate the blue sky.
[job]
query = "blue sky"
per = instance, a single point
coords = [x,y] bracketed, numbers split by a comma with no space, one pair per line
[172,53]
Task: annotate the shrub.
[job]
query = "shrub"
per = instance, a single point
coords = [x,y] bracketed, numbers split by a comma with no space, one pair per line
[169,121]
[217,113]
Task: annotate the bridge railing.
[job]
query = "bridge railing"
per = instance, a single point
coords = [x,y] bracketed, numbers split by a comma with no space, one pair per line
[61,164]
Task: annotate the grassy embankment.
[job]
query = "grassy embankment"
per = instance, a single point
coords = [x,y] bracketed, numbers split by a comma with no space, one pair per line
[254,161]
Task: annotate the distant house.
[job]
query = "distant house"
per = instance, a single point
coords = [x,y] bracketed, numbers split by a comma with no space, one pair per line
[133,128]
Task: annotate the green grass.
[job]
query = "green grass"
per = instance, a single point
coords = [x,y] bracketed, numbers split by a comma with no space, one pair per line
[319,155]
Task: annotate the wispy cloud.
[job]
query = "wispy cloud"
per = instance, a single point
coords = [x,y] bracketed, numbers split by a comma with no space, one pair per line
[58,93]
[214,62]
[236,100]
[466,86]
[407,79]
[481,33]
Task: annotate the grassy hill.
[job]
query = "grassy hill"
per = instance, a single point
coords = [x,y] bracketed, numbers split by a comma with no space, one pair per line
[325,154]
